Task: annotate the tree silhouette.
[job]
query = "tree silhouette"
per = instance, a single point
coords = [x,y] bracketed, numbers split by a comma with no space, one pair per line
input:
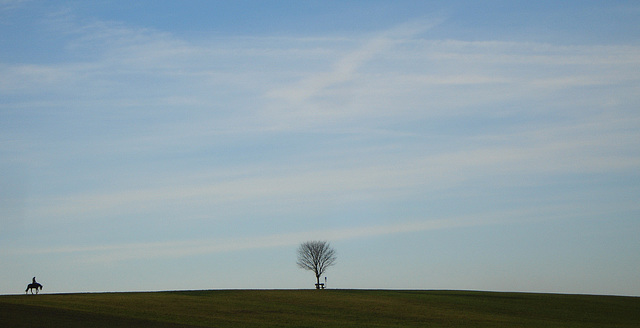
[316,256]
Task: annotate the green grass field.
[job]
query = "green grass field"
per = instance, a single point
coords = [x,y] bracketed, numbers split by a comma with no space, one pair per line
[318,308]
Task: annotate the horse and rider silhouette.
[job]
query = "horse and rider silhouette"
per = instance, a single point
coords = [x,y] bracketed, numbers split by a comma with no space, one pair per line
[33,285]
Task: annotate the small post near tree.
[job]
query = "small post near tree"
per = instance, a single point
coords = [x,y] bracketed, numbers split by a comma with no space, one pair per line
[316,256]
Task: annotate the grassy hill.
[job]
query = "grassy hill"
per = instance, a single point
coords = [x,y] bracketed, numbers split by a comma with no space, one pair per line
[318,308]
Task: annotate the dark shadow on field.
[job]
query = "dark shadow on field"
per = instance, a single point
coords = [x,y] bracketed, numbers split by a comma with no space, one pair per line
[23,316]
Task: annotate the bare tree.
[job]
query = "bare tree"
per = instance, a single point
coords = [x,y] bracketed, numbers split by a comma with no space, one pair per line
[316,256]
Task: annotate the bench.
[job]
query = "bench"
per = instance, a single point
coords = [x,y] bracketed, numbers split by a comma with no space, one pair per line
[319,286]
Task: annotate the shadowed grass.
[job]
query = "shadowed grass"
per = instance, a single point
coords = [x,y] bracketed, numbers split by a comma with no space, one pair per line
[319,308]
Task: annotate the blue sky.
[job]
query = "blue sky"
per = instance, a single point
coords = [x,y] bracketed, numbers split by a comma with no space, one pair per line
[161,145]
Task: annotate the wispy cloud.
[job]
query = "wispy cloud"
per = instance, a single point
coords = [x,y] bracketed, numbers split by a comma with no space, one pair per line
[112,253]
[592,147]
[395,73]
[177,249]
[345,68]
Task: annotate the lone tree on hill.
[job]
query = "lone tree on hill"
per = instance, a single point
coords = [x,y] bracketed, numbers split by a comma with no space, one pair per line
[316,256]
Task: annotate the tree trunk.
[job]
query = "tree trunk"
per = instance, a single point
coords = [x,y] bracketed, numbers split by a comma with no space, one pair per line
[317,282]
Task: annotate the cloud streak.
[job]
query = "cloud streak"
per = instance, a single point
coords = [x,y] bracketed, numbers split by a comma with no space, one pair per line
[591,147]
[179,249]
[346,67]
[112,253]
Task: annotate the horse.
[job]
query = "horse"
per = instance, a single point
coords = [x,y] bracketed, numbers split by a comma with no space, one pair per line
[33,286]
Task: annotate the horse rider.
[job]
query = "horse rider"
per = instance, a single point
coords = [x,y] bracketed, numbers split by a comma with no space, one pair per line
[34,280]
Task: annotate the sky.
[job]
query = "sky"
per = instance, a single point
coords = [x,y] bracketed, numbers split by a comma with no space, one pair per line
[172,145]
